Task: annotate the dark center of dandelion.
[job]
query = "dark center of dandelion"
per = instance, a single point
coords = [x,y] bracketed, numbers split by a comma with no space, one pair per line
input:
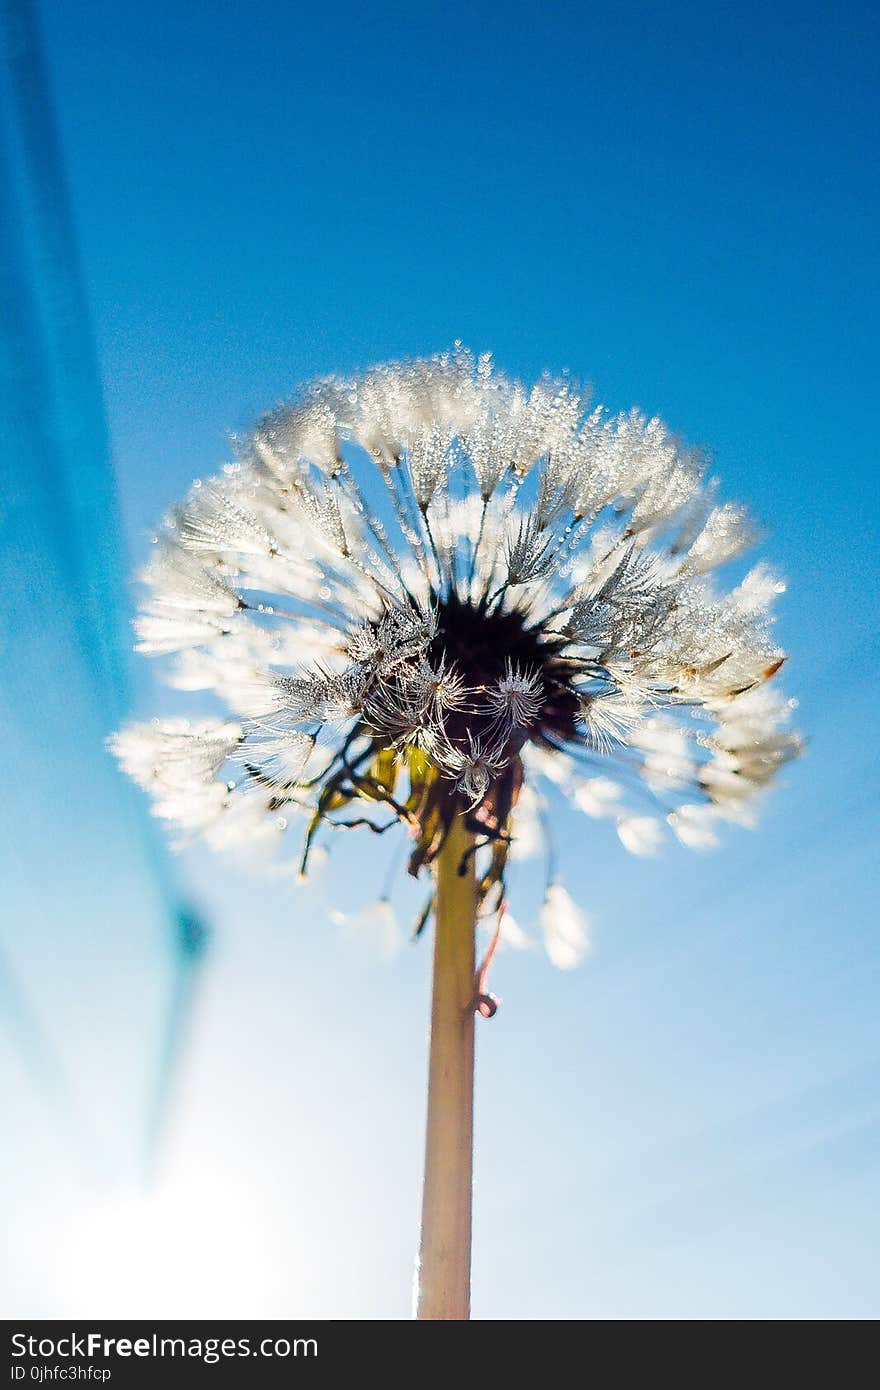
[482,648]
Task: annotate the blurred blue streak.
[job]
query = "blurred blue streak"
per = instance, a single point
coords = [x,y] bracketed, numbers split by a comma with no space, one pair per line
[89,910]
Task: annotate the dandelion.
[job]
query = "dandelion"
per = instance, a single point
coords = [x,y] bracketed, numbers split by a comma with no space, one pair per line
[428,596]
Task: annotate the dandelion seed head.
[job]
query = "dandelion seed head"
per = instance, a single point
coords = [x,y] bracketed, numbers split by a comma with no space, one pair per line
[433,590]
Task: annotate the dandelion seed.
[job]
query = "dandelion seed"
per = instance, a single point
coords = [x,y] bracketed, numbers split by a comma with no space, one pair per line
[472,768]
[596,796]
[565,928]
[516,698]
[641,835]
[513,935]
[376,926]
[695,826]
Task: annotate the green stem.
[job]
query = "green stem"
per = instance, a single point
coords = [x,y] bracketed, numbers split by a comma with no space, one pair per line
[445,1253]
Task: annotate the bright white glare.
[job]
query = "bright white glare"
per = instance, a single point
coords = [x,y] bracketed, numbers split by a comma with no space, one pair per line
[193,1247]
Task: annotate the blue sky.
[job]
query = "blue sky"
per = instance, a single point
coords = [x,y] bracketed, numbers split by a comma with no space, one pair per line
[679,204]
